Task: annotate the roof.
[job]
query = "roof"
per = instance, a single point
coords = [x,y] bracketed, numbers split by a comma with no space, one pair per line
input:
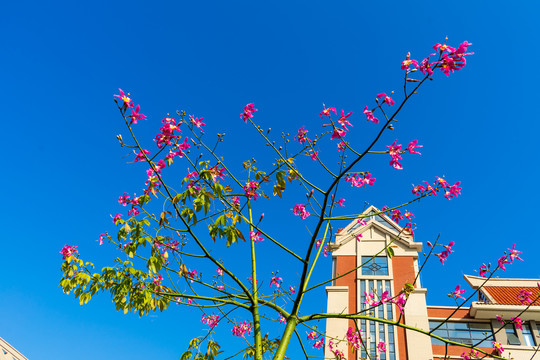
[508,295]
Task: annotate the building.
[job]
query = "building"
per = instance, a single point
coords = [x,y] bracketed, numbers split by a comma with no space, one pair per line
[476,324]
[8,352]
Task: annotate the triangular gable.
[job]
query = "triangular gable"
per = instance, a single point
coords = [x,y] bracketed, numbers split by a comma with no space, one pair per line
[380,222]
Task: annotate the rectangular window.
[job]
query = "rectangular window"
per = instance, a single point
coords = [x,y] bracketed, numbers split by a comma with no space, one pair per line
[377,265]
[512,337]
[528,335]
[464,332]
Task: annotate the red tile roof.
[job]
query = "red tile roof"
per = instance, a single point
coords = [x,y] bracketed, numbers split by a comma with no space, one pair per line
[508,295]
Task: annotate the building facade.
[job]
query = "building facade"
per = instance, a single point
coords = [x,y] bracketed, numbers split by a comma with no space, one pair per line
[8,352]
[362,247]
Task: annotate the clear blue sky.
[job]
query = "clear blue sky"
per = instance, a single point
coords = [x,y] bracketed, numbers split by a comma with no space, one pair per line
[63,169]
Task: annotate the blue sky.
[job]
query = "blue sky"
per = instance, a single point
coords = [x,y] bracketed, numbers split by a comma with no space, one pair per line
[63,172]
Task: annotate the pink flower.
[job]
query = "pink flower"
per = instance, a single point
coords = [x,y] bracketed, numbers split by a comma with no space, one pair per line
[313,155]
[312,335]
[210,320]
[140,155]
[500,319]
[135,115]
[251,190]
[116,218]
[282,320]
[192,275]
[381,347]
[338,134]
[68,251]
[369,116]
[358,182]
[498,346]
[248,112]
[457,293]
[124,199]
[370,299]
[236,200]
[291,289]
[276,280]
[196,121]
[408,62]
[353,337]
[395,153]
[524,298]
[319,344]
[400,301]
[219,271]
[255,236]
[413,145]
[128,103]
[385,297]
[101,236]
[443,256]
[300,209]
[341,146]
[514,254]
[455,190]
[518,322]
[502,261]
[418,190]
[301,137]
[340,202]
[240,330]
[425,67]
[326,112]
[359,237]
[483,270]
[396,215]
[387,99]
[343,120]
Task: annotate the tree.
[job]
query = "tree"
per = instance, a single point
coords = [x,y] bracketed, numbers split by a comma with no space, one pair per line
[175,230]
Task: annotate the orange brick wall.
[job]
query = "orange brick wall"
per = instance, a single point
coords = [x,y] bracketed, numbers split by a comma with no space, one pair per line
[344,264]
[403,272]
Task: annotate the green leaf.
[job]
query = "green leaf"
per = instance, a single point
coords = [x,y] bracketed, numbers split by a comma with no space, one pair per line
[390,251]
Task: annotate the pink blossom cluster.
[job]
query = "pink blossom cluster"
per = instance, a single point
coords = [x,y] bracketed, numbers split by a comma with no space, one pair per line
[470,355]
[450,59]
[210,320]
[354,338]
[443,256]
[498,346]
[358,181]
[251,190]
[395,152]
[128,104]
[338,133]
[157,280]
[325,248]
[339,355]
[318,343]
[249,109]
[399,300]
[240,330]
[509,259]
[301,137]
[524,297]
[440,184]
[167,132]
[68,251]
[381,347]
[300,209]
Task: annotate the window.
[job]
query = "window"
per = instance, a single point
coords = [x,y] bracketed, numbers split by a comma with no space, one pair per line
[464,332]
[527,335]
[512,337]
[377,265]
